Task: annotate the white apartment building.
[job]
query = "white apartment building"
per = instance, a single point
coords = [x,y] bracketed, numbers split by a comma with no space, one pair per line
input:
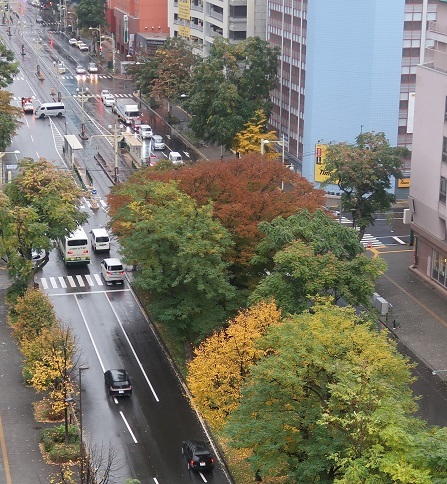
[428,191]
[201,21]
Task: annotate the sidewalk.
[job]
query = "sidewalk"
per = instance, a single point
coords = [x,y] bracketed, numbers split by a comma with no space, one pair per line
[419,310]
[21,460]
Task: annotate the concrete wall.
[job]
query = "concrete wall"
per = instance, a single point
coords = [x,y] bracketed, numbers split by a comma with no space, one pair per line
[426,166]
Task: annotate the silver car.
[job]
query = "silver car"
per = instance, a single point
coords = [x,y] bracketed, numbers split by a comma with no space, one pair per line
[112,270]
[157,142]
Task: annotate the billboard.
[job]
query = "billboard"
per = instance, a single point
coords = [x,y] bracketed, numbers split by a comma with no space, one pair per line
[321,174]
[184,31]
[184,9]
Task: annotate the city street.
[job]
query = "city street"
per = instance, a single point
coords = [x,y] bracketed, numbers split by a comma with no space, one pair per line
[146,430]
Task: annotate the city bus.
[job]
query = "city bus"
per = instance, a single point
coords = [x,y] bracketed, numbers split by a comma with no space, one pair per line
[74,248]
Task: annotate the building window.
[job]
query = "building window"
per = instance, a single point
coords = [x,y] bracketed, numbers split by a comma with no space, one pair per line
[443,189]
[444,149]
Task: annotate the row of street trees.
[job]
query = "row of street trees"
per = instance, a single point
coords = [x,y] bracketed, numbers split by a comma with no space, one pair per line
[225,235]
[227,90]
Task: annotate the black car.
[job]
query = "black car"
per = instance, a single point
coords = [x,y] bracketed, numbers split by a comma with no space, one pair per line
[197,455]
[118,383]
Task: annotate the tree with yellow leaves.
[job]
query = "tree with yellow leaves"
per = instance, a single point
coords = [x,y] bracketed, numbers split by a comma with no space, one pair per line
[249,138]
[49,363]
[223,361]
[32,313]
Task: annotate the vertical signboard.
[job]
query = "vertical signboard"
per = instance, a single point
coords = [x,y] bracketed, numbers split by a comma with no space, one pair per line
[320,174]
[126,29]
[184,9]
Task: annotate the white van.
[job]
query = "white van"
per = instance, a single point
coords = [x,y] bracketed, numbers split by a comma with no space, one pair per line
[50,109]
[176,157]
[100,240]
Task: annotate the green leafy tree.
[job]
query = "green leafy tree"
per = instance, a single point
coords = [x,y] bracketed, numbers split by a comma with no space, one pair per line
[175,61]
[178,248]
[8,67]
[313,255]
[331,402]
[91,13]
[39,206]
[363,172]
[10,117]
[229,87]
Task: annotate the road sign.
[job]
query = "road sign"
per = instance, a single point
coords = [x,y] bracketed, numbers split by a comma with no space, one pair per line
[94,192]
[126,29]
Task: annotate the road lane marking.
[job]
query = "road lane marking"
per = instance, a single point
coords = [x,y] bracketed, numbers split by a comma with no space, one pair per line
[98,279]
[80,281]
[128,427]
[89,333]
[399,240]
[44,283]
[5,454]
[71,281]
[89,280]
[62,282]
[53,282]
[132,349]
[203,477]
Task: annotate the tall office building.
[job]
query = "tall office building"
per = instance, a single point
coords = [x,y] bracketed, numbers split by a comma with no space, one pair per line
[346,67]
[428,191]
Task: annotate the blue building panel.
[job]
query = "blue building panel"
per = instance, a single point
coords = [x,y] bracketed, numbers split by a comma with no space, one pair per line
[353,72]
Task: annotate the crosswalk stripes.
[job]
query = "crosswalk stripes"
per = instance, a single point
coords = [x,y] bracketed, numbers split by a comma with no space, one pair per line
[57,137]
[64,282]
[369,240]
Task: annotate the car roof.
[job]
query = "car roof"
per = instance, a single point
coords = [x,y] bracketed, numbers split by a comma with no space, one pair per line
[119,374]
[112,261]
[200,446]
[157,136]
[145,126]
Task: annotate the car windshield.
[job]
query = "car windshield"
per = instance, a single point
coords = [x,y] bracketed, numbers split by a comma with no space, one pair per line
[116,268]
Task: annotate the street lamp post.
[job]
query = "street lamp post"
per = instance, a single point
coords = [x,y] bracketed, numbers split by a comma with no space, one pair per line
[81,443]
[2,154]
[83,134]
[278,142]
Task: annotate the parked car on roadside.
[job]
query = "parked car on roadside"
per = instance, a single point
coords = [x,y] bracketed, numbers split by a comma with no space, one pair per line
[83,47]
[73,41]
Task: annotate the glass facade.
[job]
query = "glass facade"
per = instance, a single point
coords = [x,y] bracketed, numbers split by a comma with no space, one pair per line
[439,268]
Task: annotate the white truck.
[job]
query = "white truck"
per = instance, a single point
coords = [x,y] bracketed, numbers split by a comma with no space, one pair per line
[126,109]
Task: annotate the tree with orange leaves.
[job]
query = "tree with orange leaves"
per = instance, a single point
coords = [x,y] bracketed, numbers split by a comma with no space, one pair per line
[244,193]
